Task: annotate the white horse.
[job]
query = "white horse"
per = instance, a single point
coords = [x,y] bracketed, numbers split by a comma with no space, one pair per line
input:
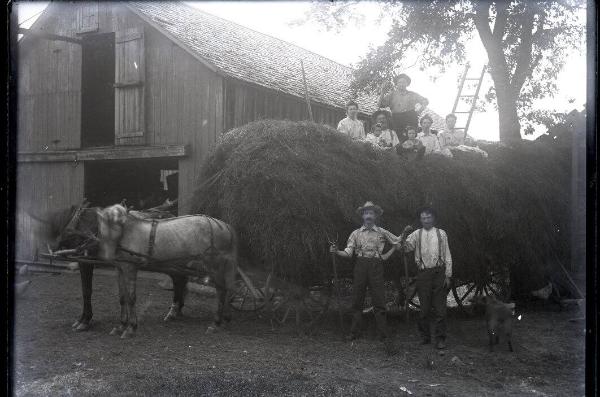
[193,245]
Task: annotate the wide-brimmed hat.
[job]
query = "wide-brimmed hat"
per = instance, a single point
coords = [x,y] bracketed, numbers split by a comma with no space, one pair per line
[370,206]
[387,114]
[404,75]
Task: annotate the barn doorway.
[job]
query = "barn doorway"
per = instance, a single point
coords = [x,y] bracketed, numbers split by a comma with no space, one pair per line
[142,184]
[97,90]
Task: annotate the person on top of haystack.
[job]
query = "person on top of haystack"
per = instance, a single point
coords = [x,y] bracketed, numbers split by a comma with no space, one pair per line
[429,140]
[351,125]
[412,148]
[367,244]
[381,134]
[434,263]
[404,104]
[452,137]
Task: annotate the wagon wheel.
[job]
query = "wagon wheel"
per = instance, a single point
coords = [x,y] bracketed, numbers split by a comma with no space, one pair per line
[495,283]
[244,300]
[294,306]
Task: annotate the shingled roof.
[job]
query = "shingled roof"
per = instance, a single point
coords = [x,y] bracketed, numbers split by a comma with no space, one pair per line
[254,57]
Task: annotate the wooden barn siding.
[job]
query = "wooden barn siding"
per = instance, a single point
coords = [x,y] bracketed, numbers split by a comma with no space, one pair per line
[49,88]
[184,106]
[252,103]
[43,187]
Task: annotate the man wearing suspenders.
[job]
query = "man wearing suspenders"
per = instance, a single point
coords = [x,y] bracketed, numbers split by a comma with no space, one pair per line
[367,243]
[434,263]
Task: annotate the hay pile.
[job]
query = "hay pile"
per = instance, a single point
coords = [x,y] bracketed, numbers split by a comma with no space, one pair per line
[287,186]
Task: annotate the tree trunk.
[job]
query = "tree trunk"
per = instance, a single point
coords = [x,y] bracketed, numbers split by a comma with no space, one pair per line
[509,125]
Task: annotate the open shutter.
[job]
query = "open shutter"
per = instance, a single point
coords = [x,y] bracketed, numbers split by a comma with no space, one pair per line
[129,87]
[87,17]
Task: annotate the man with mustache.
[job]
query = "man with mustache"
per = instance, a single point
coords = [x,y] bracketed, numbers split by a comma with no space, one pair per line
[367,243]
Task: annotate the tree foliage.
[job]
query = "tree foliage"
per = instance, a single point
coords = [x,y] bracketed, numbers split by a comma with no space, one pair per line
[527,43]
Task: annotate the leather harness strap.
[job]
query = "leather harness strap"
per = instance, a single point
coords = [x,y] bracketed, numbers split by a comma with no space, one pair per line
[152,237]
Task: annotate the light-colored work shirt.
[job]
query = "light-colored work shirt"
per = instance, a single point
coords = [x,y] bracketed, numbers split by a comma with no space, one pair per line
[431,143]
[369,242]
[427,251]
[353,128]
[402,101]
[387,138]
[452,137]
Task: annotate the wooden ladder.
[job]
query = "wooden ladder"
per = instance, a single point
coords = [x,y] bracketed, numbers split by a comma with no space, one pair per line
[473,97]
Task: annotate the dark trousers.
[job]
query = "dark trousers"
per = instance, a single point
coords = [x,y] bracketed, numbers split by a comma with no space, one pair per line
[403,119]
[432,298]
[369,272]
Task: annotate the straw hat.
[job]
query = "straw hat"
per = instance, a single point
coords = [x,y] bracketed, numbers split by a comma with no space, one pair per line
[370,206]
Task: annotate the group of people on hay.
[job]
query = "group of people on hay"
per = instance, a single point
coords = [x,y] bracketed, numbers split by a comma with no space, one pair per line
[409,136]
[434,272]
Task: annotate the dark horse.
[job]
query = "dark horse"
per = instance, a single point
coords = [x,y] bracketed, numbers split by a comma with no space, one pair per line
[74,231]
[184,246]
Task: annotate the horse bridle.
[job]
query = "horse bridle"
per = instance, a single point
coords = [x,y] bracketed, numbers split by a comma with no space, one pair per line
[71,229]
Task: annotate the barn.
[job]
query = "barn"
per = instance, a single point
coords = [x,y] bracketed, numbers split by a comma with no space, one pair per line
[125,100]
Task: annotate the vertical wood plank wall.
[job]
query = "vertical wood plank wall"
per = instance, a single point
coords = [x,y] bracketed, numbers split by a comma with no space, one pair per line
[185,103]
[245,103]
[43,187]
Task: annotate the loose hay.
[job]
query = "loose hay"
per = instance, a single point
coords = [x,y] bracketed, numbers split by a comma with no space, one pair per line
[287,186]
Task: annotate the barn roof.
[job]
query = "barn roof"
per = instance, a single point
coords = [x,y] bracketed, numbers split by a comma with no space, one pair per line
[254,57]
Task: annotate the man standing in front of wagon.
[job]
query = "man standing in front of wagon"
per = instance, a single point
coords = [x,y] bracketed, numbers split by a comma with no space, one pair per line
[434,264]
[367,243]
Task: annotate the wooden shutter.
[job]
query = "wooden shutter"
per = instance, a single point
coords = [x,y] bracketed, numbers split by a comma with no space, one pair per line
[87,17]
[129,87]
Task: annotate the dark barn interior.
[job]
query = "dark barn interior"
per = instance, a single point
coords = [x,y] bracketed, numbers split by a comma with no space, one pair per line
[142,184]
[97,90]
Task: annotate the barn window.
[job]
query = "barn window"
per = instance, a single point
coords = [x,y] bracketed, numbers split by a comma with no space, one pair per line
[87,17]
[129,87]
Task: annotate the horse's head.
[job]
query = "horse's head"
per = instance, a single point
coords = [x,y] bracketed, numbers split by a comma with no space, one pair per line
[80,226]
[60,228]
[110,229]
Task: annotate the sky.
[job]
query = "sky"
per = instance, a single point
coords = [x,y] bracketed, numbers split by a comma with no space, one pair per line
[350,44]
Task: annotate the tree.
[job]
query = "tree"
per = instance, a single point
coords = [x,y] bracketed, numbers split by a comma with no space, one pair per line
[527,43]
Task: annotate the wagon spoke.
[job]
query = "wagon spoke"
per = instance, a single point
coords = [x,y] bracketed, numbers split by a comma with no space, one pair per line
[468,292]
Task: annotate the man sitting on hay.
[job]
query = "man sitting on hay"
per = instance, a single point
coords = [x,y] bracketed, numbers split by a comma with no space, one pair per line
[367,243]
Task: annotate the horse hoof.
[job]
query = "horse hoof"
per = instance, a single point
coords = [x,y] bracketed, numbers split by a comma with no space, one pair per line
[82,327]
[171,316]
[127,334]
[116,330]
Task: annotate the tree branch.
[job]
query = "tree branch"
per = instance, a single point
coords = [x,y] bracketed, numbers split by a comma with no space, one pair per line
[523,68]
[501,19]
[492,45]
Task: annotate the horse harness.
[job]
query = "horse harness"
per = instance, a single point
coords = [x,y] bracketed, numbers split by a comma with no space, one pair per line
[211,251]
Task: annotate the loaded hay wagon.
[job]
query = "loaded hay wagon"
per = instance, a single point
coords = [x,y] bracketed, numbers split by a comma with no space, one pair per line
[288,187]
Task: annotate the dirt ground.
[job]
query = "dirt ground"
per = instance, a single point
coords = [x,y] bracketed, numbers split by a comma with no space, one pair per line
[250,358]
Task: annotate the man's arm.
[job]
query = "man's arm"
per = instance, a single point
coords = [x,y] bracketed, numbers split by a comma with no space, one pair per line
[342,127]
[421,100]
[349,250]
[447,256]
[387,255]
[410,242]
